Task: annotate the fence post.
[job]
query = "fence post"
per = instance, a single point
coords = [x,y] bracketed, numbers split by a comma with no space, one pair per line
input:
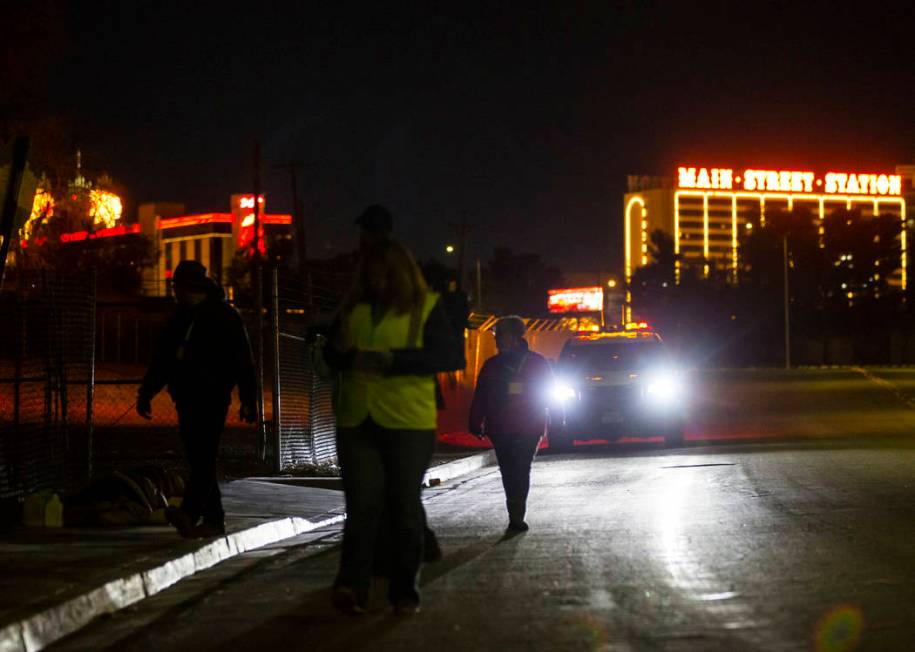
[312,403]
[90,379]
[275,323]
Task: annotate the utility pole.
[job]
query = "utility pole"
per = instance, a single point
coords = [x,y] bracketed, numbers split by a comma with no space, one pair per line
[478,299]
[298,215]
[258,280]
[787,303]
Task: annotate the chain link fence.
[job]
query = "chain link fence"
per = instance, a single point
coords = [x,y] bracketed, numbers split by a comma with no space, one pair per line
[69,371]
[305,430]
[46,383]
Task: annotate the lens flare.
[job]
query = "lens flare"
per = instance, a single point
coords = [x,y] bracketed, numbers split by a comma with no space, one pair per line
[839,630]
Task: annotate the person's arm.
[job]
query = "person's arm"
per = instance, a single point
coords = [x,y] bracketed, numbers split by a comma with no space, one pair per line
[437,352]
[477,417]
[159,370]
[544,378]
[160,364]
[333,356]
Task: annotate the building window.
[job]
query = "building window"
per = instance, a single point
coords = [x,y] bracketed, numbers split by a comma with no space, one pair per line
[169,262]
[198,250]
[182,250]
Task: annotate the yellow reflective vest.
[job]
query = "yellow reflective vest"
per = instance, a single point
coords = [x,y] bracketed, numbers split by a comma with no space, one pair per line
[394,402]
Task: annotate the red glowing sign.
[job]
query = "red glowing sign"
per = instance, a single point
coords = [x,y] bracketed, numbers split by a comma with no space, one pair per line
[247,201]
[80,236]
[590,299]
[246,230]
[194,220]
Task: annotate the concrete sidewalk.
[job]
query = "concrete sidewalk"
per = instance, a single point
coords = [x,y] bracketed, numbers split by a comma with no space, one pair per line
[55,581]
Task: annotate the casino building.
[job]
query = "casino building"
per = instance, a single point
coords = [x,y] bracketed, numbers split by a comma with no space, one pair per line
[209,238]
[704,209]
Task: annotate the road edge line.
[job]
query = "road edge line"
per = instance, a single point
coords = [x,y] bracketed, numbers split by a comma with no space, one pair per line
[46,627]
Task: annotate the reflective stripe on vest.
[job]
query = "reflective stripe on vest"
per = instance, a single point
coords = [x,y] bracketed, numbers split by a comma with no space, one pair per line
[394,402]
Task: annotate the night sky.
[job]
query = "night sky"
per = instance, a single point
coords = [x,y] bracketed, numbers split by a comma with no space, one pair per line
[525,117]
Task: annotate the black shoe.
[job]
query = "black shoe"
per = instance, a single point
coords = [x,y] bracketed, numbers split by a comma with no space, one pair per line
[347,600]
[181,522]
[406,607]
[517,526]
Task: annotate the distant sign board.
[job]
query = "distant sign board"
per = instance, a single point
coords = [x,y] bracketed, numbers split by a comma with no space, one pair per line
[589,299]
[789,181]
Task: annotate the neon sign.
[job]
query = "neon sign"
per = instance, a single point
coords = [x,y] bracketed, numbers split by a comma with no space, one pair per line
[80,236]
[790,181]
[248,201]
[194,220]
[590,299]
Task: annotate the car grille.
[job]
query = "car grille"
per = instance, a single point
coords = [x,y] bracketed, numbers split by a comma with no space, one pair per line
[619,397]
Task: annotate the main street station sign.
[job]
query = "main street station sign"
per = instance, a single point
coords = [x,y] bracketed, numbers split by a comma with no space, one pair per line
[789,181]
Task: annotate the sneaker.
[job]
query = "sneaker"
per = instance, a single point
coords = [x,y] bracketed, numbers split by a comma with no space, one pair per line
[347,600]
[517,526]
[181,522]
[406,607]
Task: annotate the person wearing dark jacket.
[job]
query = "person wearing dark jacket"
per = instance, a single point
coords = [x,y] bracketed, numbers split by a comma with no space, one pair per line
[510,407]
[390,339]
[201,355]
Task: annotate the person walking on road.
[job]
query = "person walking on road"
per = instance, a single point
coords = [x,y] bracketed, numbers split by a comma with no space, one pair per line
[510,407]
[376,227]
[201,354]
[390,338]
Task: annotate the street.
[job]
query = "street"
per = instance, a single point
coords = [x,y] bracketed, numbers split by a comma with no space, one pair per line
[786,523]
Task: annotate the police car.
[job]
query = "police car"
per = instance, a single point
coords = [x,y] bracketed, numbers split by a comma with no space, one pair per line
[613,385]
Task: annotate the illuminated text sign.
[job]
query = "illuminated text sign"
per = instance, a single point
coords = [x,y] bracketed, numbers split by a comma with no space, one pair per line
[589,299]
[789,181]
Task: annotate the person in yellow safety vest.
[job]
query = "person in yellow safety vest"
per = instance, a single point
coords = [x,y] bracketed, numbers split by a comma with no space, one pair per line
[390,339]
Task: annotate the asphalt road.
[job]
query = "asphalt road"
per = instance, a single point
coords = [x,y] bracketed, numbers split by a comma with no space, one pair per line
[787,523]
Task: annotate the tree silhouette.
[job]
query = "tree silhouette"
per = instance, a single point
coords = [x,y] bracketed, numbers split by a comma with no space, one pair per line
[518,283]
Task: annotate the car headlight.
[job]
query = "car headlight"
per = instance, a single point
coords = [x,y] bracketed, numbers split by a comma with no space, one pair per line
[561,392]
[664,388]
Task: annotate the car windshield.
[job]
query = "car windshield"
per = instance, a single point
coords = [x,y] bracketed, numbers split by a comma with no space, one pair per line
[611,356]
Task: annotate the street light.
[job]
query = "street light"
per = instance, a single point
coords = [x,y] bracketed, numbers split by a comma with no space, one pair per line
[611,283]
[449,249]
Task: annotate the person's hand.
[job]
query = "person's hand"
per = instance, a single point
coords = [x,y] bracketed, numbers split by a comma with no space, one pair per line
[372,362]
[247,412]
[144,407]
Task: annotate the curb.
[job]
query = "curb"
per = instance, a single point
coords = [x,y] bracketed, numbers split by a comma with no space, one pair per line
[42,629]
[434,475]
[450,470]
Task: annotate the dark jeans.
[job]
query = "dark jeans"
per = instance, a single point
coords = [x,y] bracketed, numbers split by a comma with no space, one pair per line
[200,426]
[382,472]
[515,454]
